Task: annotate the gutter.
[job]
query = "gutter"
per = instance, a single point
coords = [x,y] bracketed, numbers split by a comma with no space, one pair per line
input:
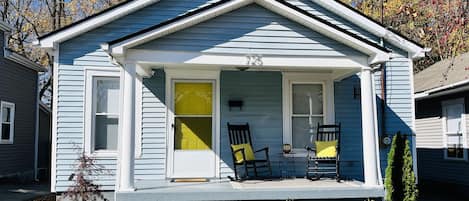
[22,60]
[427,93]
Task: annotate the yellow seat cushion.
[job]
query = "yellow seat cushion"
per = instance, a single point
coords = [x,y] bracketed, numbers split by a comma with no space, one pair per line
[326,149]
[248,152]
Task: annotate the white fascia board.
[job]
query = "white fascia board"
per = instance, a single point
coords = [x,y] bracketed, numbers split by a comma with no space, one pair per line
[119,48]
[428,93]
[5,26]
[49,41]
[373,27]
[20,59]
[376,55]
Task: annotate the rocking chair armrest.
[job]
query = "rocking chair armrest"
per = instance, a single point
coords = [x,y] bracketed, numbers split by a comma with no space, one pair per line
[266,149]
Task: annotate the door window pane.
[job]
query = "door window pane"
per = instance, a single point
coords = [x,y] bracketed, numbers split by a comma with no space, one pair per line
[193,98]
[302,131]
[193,133]
[453,118]
[106,101]
[307,98]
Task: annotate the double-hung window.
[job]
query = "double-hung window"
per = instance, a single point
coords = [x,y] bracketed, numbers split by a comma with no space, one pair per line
[102,112]
[7,120]
[307,101]
[454,133]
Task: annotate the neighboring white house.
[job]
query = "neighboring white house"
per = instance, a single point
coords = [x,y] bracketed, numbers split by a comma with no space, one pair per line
[144,87]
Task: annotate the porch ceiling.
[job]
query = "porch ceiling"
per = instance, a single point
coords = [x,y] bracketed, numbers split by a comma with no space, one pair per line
[290,189]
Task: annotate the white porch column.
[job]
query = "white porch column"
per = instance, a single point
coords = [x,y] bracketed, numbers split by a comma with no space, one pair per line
[127,154]
[370,160]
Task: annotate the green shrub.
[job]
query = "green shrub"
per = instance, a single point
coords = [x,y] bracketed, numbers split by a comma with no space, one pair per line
[400,181]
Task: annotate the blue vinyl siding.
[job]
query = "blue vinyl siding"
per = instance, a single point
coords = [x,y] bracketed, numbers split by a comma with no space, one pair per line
[251,30]
[261,93]
[85,51]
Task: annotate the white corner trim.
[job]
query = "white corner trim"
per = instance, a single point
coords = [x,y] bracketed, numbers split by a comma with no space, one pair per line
[119,48]
[36,129]
[138,116]
[55,96]
[22,60]
[94,22]
[376,29]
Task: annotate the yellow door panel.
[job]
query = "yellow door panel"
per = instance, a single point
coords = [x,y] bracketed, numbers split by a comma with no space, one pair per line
[193,133]
[193,98]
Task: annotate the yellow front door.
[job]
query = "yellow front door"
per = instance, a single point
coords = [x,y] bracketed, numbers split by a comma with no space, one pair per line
[193,129]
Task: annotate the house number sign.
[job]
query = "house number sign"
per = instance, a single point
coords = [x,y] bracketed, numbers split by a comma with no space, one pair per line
[254,60]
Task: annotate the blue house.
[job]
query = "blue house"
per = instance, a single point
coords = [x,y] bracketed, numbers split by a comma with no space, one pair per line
[137,85]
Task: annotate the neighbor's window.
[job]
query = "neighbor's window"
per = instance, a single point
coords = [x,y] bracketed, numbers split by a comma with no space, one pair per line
[7,114]
[105,113]
[306,112]
[453,112]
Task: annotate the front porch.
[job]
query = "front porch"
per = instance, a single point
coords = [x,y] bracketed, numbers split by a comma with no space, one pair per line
[287,189]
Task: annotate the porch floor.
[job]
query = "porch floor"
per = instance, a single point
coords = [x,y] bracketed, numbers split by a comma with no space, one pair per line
[287,189]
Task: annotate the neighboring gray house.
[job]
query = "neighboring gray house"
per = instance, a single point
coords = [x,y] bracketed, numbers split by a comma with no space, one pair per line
[19,110]
[442,123]
[145,86]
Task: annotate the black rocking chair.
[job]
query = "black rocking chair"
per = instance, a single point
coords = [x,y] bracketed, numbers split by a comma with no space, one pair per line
[319,167]
[241,135]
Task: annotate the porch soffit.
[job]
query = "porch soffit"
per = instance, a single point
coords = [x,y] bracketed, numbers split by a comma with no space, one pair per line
[376,53]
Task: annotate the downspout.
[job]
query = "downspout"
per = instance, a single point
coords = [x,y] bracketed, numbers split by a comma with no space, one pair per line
[383,94]
[36,132]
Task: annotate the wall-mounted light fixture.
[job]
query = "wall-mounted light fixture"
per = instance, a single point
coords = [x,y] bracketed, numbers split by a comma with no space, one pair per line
[356,92]
[235,104]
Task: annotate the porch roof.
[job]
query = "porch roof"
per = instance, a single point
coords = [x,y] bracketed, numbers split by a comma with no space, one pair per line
[290,189]
[377,53]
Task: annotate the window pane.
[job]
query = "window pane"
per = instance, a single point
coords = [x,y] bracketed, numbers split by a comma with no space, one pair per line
[307,97]
[302,131]
[5,131]
[107,95]
[193,133]
[6,113]
[455,152]
[193,98]
[453,118]
[106,132]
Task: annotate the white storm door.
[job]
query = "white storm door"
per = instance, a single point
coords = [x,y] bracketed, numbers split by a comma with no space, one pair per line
[193,129]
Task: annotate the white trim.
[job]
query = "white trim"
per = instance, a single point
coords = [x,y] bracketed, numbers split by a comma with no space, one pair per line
[414,50]
[240,60]
[138,116]
[55,96]
[10,105]
[376,55]
[328,100]
[444,104]
[90,73]
[49,42]
[432,92]
[22,60]
[173,74]
[414,129]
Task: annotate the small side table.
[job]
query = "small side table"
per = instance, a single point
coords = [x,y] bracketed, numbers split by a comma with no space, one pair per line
[287,165]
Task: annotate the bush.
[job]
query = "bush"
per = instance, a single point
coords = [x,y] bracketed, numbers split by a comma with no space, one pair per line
[400,181]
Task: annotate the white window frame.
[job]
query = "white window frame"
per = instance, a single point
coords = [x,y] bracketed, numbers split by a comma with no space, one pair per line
[12,121]
[444,104]
[89,109]
[288,79]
